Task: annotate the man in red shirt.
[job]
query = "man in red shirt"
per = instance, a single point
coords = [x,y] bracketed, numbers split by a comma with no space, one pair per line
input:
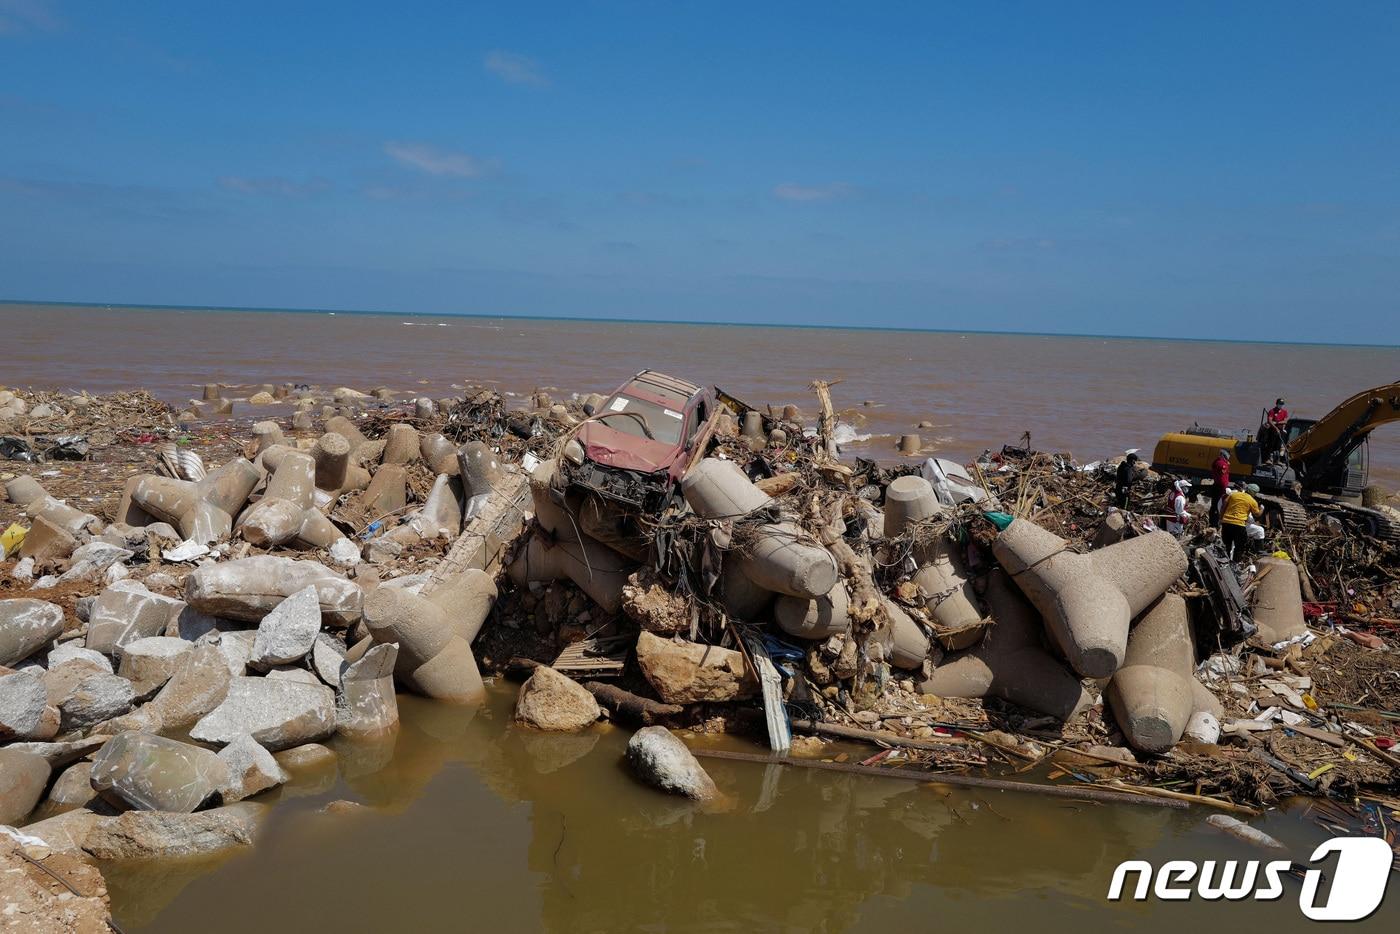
[1220,474]
[1276,424]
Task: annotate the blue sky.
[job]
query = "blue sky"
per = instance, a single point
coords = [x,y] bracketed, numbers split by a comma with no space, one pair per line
[1225,170]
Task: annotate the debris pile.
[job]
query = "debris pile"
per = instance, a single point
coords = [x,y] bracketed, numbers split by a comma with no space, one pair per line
[666,556]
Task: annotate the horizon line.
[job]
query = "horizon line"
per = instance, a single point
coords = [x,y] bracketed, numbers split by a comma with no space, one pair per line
[136,306]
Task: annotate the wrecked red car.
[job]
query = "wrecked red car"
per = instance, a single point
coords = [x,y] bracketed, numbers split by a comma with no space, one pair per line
[636,444]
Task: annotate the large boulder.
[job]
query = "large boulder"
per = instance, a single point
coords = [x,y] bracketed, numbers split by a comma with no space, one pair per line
[152,773]
[278,713]
[27,626]
[127,612]
[150,662]
[686,672]
[199,684]
[23,776]
[551,701]
[97,697]
[25,712]
[249,589]
[251,769]
[663,761]
[164,835]
[287,633]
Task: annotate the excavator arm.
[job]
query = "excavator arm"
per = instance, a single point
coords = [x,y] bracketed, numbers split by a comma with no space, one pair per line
[1333,437]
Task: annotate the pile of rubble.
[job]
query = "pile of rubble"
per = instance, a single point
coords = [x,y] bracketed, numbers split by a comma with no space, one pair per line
[184,651]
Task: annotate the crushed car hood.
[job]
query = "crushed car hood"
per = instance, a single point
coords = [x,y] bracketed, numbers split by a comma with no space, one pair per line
[612,448]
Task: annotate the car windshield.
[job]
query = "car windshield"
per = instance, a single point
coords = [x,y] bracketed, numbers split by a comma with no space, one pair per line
[663,423]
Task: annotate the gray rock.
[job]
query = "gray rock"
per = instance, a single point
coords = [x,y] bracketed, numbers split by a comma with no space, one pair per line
[149,663]
[23,700]
[286,634]
[190,624]
[308,757]
[97,697]
[278,714]
[72,651]
[236,646]
[249,588]
[162,835]
[153,773]
[251,769]
[23,776]
[127,612]
[57,755]
[91,561]
[663,761]
[367,703]
[26,626]
[551,701]
[72,789]
[328,658]
[292,673]
[199,684]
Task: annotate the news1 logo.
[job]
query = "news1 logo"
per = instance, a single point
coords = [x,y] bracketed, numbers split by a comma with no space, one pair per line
[1358,882]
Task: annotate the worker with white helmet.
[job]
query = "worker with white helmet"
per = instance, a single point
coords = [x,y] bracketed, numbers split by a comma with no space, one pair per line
[1177,516]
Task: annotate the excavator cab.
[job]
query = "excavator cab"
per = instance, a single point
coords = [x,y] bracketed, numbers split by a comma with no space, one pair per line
[1341,477]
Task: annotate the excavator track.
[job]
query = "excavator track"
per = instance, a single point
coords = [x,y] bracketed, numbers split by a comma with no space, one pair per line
[1285,514]
[1292,516]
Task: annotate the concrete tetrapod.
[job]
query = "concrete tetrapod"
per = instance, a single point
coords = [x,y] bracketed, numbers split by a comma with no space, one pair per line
[718,489]
[906,644]
[202,511]
[599,571]
[336,469]
[1151,695]
[909,499]
[1088,601]
[943,578]
[433,634]
[1278,601]
[783,558]
[1010,662]
[814,619]
[287,513]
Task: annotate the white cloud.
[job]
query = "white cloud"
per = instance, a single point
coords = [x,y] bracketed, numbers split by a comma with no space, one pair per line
[513,68]
[791,192]
[435,161]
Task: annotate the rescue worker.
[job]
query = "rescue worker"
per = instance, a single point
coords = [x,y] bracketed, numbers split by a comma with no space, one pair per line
[1275,430]
[1123,480]
[1177,516]
[1220,472]
[1240,507]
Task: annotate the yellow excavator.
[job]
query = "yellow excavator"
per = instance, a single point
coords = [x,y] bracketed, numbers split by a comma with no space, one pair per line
[1322,462]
